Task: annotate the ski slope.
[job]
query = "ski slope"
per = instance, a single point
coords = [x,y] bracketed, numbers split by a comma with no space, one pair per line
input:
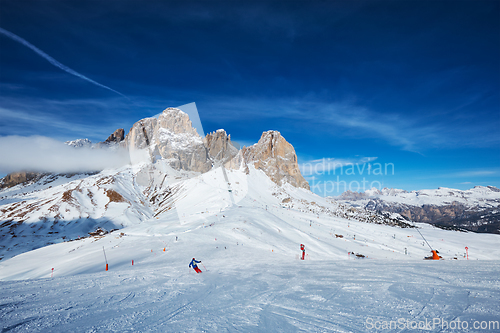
[254,281]
[256,295]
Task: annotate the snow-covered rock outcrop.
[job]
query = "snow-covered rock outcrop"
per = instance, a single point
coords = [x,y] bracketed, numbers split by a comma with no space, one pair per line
[79,143]
[171,137]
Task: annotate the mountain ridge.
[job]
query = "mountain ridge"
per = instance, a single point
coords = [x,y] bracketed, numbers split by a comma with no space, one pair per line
[175,171]
[476,209]
[60,207]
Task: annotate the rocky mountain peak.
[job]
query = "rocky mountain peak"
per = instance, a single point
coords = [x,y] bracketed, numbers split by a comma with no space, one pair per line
[16,178]
[176,121]
[173,137]
[219,146]
[116,137]
[493,188]
[141,134]
[113,140]
[79,143]
[277,158]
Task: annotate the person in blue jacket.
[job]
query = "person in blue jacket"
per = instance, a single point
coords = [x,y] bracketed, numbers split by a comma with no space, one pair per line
[194,263]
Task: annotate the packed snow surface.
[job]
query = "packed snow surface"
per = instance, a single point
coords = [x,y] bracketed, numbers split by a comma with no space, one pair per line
[247,233]
[257,295]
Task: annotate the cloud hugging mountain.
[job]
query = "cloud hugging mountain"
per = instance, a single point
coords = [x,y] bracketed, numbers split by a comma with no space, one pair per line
[169,136]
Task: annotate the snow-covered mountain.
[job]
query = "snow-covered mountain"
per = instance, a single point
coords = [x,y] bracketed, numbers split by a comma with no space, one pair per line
[41,209]
[477,209]
[173,169]
[79,143]
[206,216]
[249,243]
[169,156]
[244,213]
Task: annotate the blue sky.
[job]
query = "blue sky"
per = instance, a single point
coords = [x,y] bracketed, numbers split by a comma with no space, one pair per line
[413,84]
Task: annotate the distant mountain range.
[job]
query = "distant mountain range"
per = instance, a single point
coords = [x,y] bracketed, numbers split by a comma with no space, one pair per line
[477,209]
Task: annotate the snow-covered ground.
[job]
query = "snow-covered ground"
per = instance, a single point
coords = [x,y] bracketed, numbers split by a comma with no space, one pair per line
[260,294]
[249,243]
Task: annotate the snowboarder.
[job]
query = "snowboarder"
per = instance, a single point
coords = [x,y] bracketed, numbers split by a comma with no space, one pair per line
[194,263]
[303,248]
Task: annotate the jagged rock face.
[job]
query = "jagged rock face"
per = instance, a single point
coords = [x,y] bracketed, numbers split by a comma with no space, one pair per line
[219,146]
[277,158]
[141,134]
[177,141]
[15,178]
[113,140]
[173,137]
[116,137]
[177,122]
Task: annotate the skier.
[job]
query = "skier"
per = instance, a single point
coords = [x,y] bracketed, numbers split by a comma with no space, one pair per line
[303,248]
[194,263]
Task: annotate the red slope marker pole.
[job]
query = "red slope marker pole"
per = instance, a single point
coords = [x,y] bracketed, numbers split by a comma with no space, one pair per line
[106,259]
[52,274]
[467,251]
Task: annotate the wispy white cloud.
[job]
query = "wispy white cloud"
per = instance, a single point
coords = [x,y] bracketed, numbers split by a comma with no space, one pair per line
[53,61]
[42,154]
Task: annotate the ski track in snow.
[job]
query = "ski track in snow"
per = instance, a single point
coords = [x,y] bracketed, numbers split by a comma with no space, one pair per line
[328,296]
